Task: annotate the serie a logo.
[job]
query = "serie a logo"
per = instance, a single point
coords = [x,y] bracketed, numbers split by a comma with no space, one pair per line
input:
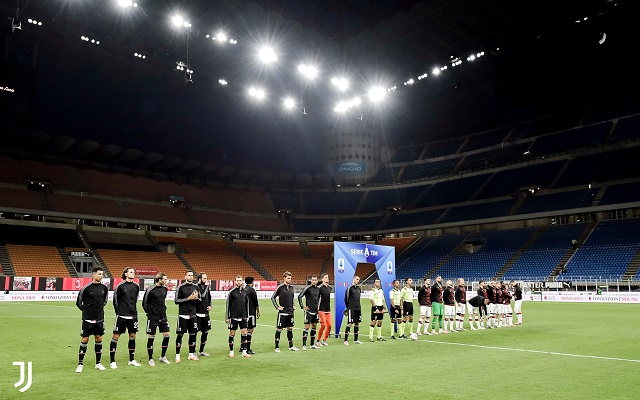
[340,264]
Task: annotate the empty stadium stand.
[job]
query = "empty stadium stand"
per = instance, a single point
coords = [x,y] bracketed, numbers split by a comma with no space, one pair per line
[37,261]
[212,257]
[280,257]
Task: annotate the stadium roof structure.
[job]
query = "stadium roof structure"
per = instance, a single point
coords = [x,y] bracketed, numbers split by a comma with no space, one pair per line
[105,104]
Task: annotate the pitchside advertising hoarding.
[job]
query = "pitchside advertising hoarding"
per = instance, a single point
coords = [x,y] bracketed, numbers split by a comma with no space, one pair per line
[28,288]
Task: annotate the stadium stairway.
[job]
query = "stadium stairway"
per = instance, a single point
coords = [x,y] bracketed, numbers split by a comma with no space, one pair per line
[460,248]
[263,272]
[519,252]
[95,254]
[565,259]
[325,265]
[67,263]
[516,206]
[7,265]
[44,202]
[598,197]
[632,269]
[186,264]
[305,249]
[178,252]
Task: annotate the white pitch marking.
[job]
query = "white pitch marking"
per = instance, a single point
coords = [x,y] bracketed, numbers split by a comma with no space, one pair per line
[555,353]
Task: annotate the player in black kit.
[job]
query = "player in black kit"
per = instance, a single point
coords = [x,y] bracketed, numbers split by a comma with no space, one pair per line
[236,316]
[202,311]
[91,301]
[311,294]
[187,297]
[284,304]
[154,305]
[354,311]
[125,297]
[254,311]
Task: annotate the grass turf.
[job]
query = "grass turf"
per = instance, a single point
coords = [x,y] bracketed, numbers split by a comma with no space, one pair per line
[545,358]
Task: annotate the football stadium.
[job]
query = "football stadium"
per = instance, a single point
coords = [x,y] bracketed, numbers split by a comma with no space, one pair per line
[319,199]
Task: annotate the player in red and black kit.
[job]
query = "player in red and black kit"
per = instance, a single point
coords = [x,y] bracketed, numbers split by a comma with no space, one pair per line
[125,297]
[461,304]
[506,304]
[91,301]
[497,290]
[449,307]
[187,297]
[424,300]
[482,291]
[478,303]
[517,301]
[491,308]
[436,305]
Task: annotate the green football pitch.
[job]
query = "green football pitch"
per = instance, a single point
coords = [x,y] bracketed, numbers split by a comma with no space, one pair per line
[562,351]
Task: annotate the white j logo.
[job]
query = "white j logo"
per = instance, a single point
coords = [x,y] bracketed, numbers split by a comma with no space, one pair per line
[29,376]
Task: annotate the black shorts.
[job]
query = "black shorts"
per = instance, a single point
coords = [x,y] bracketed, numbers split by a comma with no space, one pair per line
[407,309]
[376,316]
[204,323]
[235,324]
[89,328]
[251,321]
[395,313]
[354,316]
[310,318]
[187,325]
[284,321]
[121,325]
[161,324]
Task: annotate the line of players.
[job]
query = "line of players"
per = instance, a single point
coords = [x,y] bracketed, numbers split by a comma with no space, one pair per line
[491,308]
[446,307]
[194,303]
[193,300]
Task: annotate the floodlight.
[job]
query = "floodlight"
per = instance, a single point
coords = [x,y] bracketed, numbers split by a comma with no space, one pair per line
[308,70]
[356,101]
[471,57]
[177,20]
[180,22]
[340,83]
[222,82]
[267,55]
[289,103]
[221,37]
[376,93]
[257,93]
[341,107]
[435,71]
[125,3]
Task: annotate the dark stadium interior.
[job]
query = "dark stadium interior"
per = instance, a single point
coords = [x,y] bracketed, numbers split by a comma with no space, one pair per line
[488,170]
